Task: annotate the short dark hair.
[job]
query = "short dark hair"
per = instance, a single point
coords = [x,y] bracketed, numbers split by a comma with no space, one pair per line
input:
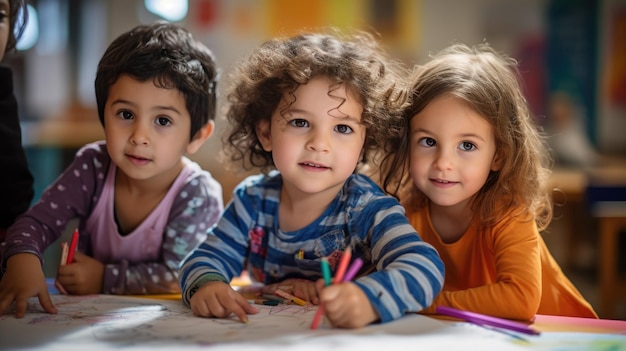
[169,55]
[16,29]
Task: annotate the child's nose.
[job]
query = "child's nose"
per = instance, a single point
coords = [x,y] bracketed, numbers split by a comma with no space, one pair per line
[319,141]
[140,135]
[443,160]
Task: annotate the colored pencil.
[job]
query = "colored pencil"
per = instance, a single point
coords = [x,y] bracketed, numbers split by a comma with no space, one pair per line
[276,298]
[73,245]
[264,302]
[326,271]
[484,320]
[64,249]
[317,319]
[343,265]
[350,273]
[288,296]
[353,269]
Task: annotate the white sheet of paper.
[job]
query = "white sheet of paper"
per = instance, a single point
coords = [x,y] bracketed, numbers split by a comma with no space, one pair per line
[107,322]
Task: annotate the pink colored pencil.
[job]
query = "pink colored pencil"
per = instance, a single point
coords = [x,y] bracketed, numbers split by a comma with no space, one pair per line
[353,270]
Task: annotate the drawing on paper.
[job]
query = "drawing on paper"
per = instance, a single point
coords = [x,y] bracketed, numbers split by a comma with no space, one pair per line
[126,321]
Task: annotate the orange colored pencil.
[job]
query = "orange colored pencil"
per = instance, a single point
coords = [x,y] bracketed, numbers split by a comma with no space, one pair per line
[288,296]
[343,265]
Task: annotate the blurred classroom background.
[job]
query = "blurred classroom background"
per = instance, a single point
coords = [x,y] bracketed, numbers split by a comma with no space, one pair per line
[572,56]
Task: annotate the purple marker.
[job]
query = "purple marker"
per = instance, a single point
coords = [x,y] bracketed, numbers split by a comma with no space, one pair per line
[482,320]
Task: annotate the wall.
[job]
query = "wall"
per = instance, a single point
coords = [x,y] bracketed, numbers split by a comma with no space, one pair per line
[423,27]
[410,29]
[57,80]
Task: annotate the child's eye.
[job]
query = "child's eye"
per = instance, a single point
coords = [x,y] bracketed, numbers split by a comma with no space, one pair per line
[428,142]
[300,123]
[467,146]
[125,115]
[163,121]
[3,16]
[343,129]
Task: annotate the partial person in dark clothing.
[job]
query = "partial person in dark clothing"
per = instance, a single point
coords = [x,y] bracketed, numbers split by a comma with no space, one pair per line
[16,192]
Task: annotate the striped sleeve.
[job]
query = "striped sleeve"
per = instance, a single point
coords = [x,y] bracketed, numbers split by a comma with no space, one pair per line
[409,272]
[220,257]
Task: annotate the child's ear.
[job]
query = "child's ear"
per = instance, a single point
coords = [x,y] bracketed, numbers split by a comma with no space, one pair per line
[496,163]
[264,134]
[201,136]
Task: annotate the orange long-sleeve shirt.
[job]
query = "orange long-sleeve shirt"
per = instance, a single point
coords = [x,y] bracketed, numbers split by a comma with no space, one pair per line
[506,271]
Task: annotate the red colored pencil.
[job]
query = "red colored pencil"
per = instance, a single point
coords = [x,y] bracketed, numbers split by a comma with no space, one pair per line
[73,244]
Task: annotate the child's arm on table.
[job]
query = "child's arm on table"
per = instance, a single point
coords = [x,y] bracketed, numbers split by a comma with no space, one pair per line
[409,272]
[218,259]
[517,292]
[42,225]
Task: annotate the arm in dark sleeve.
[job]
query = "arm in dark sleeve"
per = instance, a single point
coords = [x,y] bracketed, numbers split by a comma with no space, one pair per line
[16,192]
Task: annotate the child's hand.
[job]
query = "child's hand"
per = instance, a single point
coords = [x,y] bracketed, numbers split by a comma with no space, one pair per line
[346,305]
[302,288]
[218,299]
[83,276]
[24,278]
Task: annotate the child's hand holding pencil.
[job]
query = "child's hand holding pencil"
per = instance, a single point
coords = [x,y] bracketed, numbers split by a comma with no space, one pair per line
[78,273]
[67,257]
[343,303]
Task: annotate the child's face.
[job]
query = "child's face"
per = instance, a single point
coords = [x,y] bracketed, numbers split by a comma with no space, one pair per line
[452,151]
[147,129]
[5,26]
[317,143]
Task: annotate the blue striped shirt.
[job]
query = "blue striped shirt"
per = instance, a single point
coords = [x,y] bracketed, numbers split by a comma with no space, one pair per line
[406,273]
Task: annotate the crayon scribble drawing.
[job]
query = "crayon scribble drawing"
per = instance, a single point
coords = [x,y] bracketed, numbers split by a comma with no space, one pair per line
[127,321]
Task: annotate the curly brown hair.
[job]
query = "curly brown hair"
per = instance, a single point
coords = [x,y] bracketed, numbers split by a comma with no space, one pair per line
[488,82]
[279,66]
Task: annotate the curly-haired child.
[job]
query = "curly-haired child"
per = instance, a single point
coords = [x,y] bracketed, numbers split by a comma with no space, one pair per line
[307,110]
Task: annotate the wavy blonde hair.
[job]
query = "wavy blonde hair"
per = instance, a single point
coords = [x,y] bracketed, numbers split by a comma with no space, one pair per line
[488,82]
